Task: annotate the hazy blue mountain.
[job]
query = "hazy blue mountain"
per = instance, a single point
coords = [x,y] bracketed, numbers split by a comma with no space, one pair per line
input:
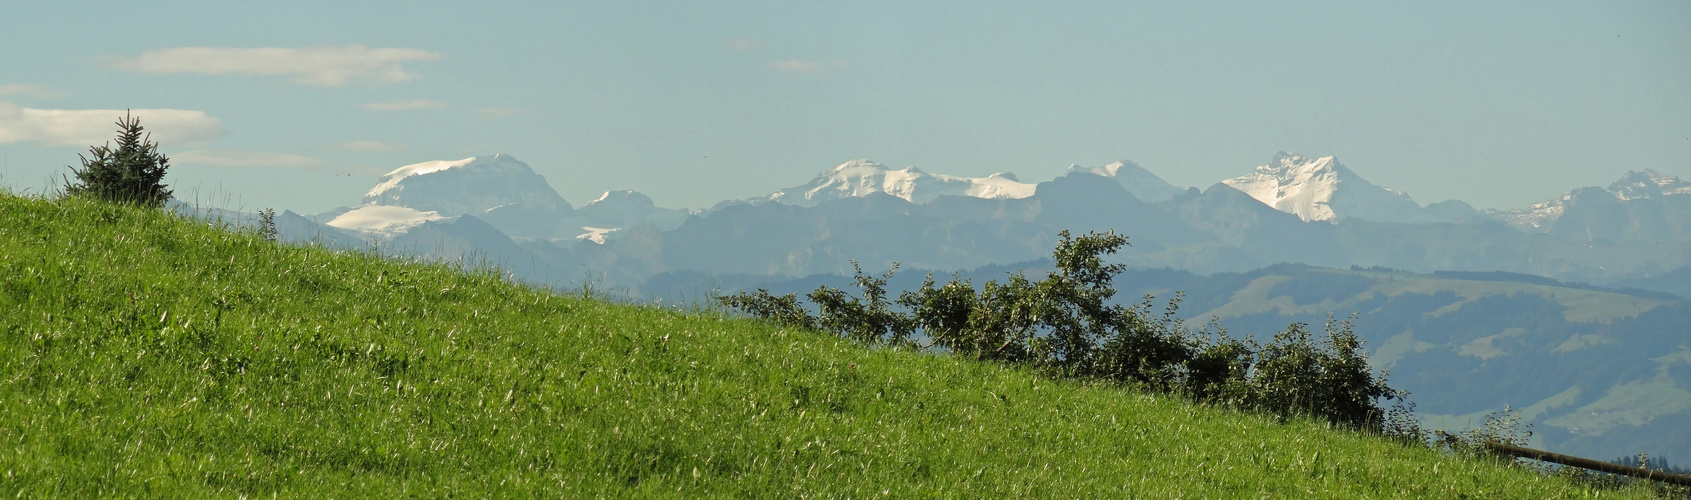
[1640,206]
[1141,183]
[618,210]
[1676,282]
[295,227]
[519,220]
[465,236]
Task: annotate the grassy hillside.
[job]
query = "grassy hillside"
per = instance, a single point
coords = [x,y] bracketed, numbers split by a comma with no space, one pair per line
[1325,290]
[145,355]
[1600,372]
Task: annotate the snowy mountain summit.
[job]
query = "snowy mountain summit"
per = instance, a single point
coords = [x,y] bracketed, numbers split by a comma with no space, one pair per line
[1648,184]
[859,178]
[1647,205]
[626,209]
[414,194]
[468,186]
[1635,185]
[1322,189]
[1143,184]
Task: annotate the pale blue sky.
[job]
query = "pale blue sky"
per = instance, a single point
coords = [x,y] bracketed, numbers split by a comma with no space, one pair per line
[1502,104]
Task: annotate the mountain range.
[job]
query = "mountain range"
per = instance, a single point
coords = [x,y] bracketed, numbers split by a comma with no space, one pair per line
[1294,209]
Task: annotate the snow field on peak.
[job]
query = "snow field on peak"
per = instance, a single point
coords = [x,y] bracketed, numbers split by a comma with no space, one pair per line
[999,185]
[1293,184]
[1634,185]
[391,179]
[382,220]
[1322,189]
[858,178]
[596,234]
[1648,183]
[471,186]
[1143,184]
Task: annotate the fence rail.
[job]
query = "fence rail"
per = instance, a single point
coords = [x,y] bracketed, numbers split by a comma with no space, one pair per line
[1586,463]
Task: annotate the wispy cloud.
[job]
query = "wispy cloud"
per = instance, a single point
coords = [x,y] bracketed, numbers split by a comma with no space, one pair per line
[85,127]
[500,112]
[317,66]
[366,146]
[243,158]
[743,44]
[798,66]
[31,91]
[403,105]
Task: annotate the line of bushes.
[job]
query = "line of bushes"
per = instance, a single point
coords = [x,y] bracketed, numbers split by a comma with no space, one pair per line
[1066,325]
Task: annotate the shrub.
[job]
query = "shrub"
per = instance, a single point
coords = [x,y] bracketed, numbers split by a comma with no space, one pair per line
[783,310]
[130,173]
[1219,368]
[1504,427]
[267,224]
[866,320]
[1294,375]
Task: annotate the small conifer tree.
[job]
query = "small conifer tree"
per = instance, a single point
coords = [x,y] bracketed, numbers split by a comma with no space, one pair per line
[132,172]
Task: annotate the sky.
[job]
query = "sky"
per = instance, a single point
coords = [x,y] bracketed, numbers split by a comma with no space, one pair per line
[302,105]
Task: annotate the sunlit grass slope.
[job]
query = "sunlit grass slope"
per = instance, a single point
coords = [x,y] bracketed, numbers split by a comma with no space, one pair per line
[142,354]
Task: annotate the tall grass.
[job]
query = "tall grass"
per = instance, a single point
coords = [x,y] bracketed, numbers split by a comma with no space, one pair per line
[142,354]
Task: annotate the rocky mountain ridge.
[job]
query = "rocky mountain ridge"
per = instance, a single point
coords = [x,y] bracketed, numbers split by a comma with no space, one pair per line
[859,178]
[1294,209]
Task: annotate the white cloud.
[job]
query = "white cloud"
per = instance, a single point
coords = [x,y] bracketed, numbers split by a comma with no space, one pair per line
[31,91]
[743,44]
[366,146]
[499,112]
[87,127]
[797,66]
[317,66]
[243,158]
[403,105]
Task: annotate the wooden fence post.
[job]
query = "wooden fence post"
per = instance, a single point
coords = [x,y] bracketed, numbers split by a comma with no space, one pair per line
[1586,463]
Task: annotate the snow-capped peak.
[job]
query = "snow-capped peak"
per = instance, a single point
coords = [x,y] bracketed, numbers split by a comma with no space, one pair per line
[1537,216]
[1634,185]
[468,186]
[859,178]
[623,197]
[390,181]
[382,220]
[596,234]
[1648,183]
[1143,184]
[996,186]
[1322,189]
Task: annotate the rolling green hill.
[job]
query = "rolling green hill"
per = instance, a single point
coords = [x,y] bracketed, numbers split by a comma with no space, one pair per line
[1601,372]
[147,355]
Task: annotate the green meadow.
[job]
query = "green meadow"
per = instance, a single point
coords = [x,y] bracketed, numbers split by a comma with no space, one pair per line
[144,354]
